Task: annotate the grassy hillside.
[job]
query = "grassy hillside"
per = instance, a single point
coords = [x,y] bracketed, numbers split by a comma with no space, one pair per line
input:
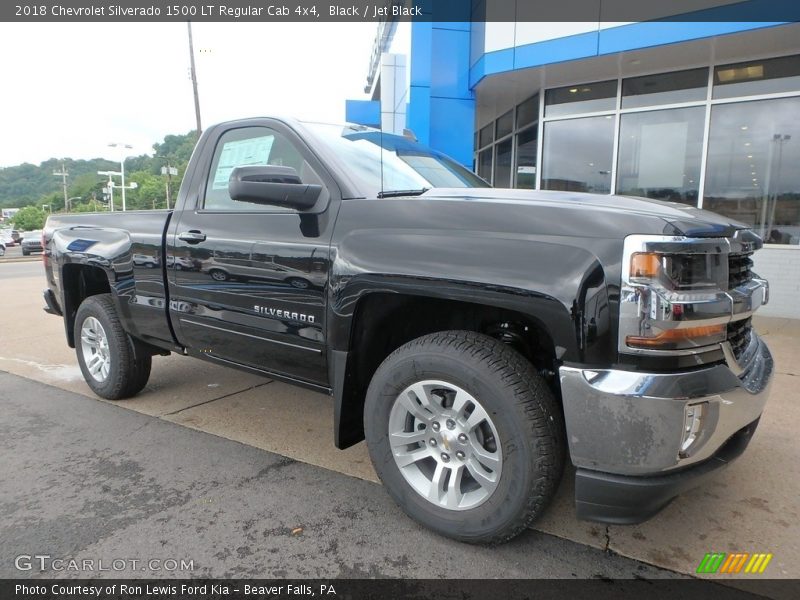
[35,185]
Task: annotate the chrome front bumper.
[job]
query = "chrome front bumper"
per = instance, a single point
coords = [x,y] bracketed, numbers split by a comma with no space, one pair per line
[632,423]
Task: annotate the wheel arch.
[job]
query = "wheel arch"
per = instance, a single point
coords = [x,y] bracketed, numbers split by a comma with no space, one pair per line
[382,321]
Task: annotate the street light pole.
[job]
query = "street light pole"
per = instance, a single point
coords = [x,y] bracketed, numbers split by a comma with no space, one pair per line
[70,201]
[123,147]
[110,186]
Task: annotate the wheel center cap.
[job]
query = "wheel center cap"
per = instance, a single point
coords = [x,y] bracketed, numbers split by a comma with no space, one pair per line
[448,440]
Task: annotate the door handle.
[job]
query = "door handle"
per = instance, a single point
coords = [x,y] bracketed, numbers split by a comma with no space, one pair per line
[193,236]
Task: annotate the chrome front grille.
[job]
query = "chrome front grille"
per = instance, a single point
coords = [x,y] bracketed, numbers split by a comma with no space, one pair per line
[739,335]
[739,266]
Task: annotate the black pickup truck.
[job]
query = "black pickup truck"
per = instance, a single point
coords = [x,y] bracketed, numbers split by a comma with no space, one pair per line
[475,337]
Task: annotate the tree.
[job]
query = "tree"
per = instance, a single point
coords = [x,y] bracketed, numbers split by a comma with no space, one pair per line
[29,218]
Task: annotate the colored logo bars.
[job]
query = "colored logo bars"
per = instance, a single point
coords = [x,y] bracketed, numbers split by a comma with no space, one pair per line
[720,562]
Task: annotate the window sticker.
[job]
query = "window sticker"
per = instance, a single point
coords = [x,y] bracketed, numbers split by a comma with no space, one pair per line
[241,153]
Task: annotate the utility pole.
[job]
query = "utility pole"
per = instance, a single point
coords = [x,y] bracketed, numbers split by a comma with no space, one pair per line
[194,81]
[63,174]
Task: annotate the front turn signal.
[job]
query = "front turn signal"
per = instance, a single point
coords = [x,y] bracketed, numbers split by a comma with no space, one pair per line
[645,265]
[671,338]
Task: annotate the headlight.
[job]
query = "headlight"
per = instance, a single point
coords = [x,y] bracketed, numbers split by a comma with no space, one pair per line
[680,272]
[673,294]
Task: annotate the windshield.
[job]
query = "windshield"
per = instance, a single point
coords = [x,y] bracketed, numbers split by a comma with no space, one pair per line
[407,165]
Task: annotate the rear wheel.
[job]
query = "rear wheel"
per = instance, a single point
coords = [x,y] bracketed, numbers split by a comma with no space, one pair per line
[25,253]
[465,435]
[106,353]
[218,275]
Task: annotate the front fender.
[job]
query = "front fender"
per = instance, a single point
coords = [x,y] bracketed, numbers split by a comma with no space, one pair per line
[554,281]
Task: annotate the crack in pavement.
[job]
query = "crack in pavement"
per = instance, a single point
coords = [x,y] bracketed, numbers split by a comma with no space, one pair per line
[252,387]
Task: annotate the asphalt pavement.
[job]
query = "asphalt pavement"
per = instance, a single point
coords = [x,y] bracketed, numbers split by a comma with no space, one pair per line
[93,481]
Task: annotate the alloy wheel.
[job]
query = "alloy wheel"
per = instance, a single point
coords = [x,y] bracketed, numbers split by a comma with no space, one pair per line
[94,345]
[445,444]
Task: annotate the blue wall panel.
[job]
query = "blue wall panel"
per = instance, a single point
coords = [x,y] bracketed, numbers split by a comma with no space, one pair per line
[452,126]
[552,51]
[449,63]
[363,112]
[441,110]
[418,117]
[657,33]
[604,41]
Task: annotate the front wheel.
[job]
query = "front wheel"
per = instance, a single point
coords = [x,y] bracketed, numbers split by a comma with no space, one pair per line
[106,353]
[465,435]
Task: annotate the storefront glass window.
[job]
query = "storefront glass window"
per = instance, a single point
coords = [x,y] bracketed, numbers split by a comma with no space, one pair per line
[528,111]
[502,164]
[665,88]
[526,158]
[583,98]
[485,164]
[486,135]
[577,154]
[659,154]
[752,175]
[505,124]
[757,77]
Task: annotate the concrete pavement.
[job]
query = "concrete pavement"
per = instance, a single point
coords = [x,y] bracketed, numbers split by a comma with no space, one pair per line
[750,507]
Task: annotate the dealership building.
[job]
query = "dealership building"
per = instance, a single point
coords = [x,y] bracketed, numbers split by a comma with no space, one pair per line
[702,113]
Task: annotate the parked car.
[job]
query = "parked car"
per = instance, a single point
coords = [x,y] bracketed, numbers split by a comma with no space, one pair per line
[16,236]
[31,242]
[475,336]
[7,239]
[180,263]
[145,260]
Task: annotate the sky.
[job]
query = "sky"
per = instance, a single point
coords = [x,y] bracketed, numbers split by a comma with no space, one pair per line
[70,89]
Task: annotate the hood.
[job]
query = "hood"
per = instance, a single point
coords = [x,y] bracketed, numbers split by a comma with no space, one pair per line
[678,219]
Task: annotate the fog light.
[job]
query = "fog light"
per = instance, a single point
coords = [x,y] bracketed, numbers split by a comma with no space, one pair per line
[693,419]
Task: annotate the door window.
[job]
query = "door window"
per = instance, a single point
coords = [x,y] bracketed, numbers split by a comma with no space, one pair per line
[251,146]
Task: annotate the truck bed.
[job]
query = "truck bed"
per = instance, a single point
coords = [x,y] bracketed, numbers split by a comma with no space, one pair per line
[129,247]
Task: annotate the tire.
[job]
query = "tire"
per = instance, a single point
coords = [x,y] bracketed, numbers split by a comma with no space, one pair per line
[520,411]
[218,275]
[25,253]
[125,375]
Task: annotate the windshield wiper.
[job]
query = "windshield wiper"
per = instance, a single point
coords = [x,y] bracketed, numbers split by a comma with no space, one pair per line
[397,193]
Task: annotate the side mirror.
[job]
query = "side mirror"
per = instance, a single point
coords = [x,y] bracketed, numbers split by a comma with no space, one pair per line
[268,184]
